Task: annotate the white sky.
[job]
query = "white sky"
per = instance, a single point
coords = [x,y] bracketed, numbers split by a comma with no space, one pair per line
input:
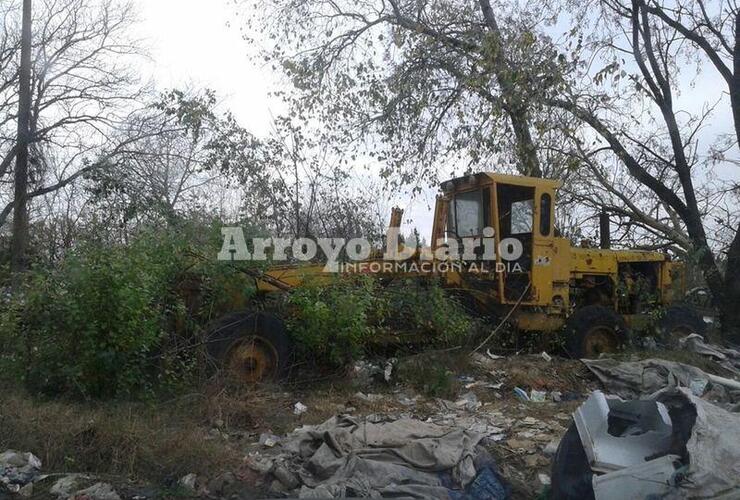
[191,42]
[198,43]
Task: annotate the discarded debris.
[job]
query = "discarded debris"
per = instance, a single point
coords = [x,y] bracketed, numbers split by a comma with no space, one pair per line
[672,445]
[370,398]
[632,379]
[98,491]
[537,396]
[617,433]
[469,401]
[299,408]
[403,457]
[18,469]
[727,358]
[268,440]
[546,356]
[521,394]
[493,356]
[64,486]
[188,482]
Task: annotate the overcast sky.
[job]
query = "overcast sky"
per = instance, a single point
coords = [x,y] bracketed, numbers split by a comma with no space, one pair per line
[198,43]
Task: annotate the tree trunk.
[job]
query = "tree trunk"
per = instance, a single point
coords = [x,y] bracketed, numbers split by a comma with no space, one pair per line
[730,306]
[18,257]
[735,87]
[514,104]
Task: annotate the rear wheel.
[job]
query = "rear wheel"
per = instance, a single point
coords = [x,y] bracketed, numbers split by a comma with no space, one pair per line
[679,322]
[250,347]
[593,330]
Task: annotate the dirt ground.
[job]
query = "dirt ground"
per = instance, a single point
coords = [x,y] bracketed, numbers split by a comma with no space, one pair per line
[218,434]
[527,431]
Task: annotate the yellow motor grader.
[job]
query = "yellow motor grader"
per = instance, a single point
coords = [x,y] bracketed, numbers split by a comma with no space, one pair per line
[597,295]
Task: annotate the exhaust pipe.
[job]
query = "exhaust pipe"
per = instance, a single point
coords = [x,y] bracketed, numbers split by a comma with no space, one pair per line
[605,230]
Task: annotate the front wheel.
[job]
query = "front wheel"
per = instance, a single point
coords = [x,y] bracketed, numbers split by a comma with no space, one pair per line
[250,347]
[678,322]
[593,330]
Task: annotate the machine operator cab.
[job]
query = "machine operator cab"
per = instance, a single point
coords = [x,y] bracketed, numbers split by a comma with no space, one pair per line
[515,211]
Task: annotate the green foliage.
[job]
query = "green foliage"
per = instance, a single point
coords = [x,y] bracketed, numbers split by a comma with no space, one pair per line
[333,324]
[330,323]
[114,320]
[424,307]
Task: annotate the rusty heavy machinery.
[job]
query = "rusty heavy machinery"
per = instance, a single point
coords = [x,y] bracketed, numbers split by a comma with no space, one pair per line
[596,295]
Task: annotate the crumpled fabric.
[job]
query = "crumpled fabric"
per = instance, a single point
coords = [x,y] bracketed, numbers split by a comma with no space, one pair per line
[635,379]
[18,469]
[713,447]
[403,458]
[727,358]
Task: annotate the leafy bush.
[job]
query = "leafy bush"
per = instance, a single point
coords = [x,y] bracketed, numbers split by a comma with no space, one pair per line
[114,320]
[333,324]
[330,323]
[425,308]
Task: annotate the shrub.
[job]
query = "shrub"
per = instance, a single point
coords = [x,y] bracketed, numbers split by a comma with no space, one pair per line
[112,320]
[335,323]
[425,308]
[330,323]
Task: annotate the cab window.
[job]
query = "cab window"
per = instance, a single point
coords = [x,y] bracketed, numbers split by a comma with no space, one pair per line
[545,214]
[468,214]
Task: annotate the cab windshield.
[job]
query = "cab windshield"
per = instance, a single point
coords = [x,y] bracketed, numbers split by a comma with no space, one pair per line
[465,216]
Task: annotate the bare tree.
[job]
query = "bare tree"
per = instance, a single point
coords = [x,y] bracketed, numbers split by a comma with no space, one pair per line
[20,219]
[83,90]
[659,146]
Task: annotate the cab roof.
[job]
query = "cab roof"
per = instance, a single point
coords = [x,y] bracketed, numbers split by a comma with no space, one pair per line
[483,178]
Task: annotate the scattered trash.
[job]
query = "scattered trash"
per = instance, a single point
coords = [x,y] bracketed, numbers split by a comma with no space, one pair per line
[537,396]
[671,445]
[543,479]
[370,398]
[469,401]
[551,448]
[727,358]
[260,464]
[404,457]
[286,477]
[268,440]
[521,394]
[698,386]
[188,482]
[617,433]
[388,370]
[651,479]
[556,396]
[407,401]
[365,372]
[26,491]
[18,469]
[299,408]
[64,486]
[546,356]
[493,356]
[632,379]
[98,491]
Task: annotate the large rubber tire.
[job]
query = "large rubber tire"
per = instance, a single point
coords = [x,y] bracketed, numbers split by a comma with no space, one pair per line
[250,347]
[571,474]
[680,321]
[592,330]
